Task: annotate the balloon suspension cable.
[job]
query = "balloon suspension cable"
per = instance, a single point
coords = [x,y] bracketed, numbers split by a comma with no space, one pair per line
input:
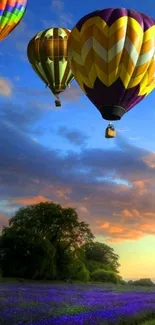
[111,125]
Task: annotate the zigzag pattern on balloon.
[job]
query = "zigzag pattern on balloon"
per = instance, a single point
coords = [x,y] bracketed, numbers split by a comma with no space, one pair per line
[122,50]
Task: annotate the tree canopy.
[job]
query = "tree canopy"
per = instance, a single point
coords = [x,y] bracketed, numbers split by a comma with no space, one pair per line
[100,255]
[48,241]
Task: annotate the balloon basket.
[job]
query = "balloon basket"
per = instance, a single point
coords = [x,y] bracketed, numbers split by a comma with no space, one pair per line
[57,103]
[109,133]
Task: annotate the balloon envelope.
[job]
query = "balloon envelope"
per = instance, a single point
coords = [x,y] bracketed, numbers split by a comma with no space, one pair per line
[47,53]
[11,12]
[112,57]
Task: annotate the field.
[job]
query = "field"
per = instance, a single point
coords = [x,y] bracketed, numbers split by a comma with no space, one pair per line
[75,304]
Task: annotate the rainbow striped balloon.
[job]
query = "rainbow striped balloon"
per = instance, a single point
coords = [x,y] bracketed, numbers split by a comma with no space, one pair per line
[11,12]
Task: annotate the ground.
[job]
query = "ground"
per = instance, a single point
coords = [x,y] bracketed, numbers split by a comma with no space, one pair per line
[34,303]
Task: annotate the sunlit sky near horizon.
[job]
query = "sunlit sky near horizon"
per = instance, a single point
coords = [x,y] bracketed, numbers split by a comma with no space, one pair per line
[61,154]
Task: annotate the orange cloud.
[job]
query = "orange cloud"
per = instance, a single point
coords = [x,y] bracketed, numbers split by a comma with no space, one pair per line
[5,87]
[116,218]
[150,160]
[61,193]
[115,229]
[128,223]
[150,214]
[114,211]
[121,188]
[117,233]
[55,193]
[83,209]
[29,201]
[126,213]
[141,185]
[144,225]
[105,225]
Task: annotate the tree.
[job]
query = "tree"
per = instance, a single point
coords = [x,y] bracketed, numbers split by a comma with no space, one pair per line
[130,282]
[100,256]
[41,241]
[101,275]
[78,271]
[23,254]
[143,282]
[53,222]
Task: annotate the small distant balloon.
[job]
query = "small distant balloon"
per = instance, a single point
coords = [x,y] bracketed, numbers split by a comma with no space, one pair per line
[47,53]
[11,13]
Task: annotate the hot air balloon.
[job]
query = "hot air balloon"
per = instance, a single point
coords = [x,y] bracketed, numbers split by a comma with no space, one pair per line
[11,13]
[47,53]
[112,56]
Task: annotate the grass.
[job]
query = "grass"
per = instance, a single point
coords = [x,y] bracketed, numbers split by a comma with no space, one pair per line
[20,280]
[151,322]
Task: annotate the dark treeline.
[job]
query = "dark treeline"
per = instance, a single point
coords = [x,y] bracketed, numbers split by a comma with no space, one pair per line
[46,241]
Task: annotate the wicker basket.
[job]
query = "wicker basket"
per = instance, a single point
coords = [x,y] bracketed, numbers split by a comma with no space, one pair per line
[109,133]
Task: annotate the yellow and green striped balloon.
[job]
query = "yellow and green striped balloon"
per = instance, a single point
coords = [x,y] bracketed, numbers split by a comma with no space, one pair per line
[47,53]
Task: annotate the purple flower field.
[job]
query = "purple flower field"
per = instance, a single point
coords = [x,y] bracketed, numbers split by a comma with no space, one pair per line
[73,304]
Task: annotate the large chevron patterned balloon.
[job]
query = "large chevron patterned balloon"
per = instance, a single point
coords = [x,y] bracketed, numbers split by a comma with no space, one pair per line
[112,57]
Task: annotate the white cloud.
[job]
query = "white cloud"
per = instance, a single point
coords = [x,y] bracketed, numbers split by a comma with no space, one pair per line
[64,18]
[57,4]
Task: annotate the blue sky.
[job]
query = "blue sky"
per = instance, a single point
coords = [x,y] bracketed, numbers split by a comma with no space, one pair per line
[62,155]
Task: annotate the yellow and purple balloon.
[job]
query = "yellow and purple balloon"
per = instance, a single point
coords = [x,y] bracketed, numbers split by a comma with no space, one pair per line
[112,57]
